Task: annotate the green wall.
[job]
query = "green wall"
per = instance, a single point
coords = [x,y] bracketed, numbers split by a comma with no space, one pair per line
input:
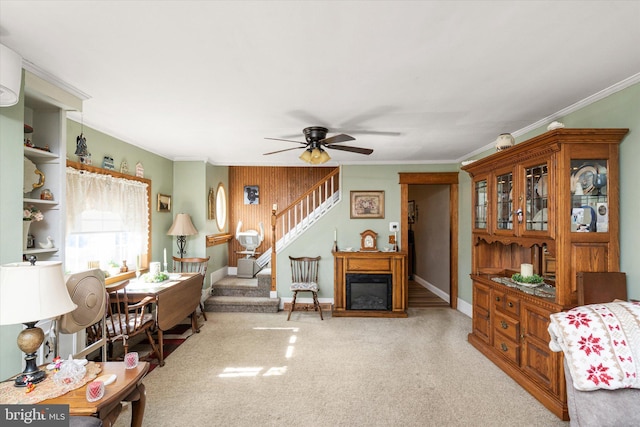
[220,253]
[11,173]
[620,110]
[156,168]
[318,240]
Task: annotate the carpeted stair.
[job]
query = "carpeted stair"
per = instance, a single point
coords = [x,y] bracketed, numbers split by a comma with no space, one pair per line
[245,295]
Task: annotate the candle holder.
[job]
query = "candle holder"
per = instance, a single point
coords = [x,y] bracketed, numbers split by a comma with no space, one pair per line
[335,246]
[165,267]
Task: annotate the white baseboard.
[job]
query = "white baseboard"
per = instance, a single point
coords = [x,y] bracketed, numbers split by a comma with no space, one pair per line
[465,308]
[439,292]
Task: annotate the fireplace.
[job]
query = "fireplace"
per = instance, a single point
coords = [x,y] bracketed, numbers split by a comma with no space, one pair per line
[369,284]
[369,291]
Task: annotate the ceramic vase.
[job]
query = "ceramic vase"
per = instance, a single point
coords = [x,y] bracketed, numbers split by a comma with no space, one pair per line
[25,234]
[504,141]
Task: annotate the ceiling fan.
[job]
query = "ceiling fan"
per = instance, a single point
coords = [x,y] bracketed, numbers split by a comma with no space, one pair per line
[317,143]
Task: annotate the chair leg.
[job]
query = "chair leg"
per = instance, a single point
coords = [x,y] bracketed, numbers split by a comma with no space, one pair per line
[316,304]
[204,315]
[293,304]
[157,348]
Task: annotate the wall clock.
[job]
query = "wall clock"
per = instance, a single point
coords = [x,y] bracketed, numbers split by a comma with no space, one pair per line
[368,240]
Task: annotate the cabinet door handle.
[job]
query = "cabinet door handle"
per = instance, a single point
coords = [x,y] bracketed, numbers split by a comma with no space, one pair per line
[504,347]
[498,299]
[510,304]
[504,324]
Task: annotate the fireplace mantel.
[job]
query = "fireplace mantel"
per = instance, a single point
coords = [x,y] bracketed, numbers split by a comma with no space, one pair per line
[394,263]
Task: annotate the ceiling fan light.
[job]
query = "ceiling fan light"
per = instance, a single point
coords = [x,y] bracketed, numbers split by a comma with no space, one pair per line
[306,156]
[315,153]
[324,157]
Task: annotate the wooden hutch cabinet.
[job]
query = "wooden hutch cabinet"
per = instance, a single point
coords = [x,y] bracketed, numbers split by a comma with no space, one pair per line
[551,201]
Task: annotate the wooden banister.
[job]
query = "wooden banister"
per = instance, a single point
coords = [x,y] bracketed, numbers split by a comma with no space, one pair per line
[301,211]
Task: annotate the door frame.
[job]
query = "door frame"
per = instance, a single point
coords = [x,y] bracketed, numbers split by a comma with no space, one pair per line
[446,178]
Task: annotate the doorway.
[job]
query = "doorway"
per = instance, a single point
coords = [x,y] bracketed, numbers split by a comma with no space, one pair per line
[439,181]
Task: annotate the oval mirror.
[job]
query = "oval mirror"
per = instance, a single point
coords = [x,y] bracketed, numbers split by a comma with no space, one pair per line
[221,207]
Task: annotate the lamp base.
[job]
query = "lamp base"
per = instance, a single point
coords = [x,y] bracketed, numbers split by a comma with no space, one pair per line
[29,340]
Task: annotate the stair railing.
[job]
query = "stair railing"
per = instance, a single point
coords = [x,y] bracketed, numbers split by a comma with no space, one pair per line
[296,218]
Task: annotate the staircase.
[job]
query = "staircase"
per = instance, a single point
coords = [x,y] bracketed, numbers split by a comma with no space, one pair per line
[233,294]
[253,295]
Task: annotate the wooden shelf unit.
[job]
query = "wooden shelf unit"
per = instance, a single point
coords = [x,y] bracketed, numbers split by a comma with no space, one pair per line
[525,201]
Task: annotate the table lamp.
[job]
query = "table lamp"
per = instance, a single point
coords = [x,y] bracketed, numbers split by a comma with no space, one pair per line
[182,227]
[31,292]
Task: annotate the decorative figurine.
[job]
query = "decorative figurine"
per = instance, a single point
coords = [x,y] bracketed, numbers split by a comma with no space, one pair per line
[139,170]
[107,163]
[124,167]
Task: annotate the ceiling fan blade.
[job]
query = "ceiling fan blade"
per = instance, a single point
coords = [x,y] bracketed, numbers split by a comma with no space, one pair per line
[358,150]
[375,132]
[287,140]
[280,151]
[337,138]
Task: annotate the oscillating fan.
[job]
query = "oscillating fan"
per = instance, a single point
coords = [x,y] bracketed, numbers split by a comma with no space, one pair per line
[87,290]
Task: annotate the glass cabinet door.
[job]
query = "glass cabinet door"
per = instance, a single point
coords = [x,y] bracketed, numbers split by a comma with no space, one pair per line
[536,190]
[480,205]
[589,202]
[504,201]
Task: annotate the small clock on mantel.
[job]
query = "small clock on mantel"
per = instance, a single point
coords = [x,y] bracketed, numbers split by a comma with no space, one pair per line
[368,240]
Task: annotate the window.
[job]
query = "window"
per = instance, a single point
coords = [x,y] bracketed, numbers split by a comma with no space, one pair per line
[107,221]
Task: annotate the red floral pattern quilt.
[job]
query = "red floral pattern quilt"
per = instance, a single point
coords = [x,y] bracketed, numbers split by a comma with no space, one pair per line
[601,344]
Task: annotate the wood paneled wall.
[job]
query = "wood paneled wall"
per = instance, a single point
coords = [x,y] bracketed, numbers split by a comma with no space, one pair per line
[277,185]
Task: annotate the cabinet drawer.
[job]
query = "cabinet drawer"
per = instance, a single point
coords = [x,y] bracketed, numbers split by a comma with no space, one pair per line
[512,305]
[506,347]
[498,299]
[507,326]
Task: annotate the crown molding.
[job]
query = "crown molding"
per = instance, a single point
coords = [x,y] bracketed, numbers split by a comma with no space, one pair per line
[617,87]
[50,78]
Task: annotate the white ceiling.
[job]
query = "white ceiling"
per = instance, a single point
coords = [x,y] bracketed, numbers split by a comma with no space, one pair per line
[417,81]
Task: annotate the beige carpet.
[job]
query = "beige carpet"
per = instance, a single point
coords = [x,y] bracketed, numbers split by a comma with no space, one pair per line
[249,369]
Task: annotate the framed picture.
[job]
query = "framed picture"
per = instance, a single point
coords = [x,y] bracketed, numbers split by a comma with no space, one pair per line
[367,204]
[411,211]
[211,204]
[251,195]
[164,203]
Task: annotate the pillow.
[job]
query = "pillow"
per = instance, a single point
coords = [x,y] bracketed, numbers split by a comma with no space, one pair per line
[601,344]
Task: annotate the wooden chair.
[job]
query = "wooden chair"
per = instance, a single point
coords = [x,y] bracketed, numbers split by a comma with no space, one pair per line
[304,278]
[125,320]
[192,265]
[601,287]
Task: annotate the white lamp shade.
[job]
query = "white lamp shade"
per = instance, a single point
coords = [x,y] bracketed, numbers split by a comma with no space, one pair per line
[10,76]
[29,293]
[182,226]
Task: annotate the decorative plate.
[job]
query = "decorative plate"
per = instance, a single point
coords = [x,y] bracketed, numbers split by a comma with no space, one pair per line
[541,186]
[33,178]
[585,177]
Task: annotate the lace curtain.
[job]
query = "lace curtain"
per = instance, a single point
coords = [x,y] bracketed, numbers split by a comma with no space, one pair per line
[100,192]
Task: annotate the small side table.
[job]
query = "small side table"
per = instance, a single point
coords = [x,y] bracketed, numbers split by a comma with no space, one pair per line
[128,387]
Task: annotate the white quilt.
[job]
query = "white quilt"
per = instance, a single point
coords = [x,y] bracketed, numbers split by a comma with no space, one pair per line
[601,343]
